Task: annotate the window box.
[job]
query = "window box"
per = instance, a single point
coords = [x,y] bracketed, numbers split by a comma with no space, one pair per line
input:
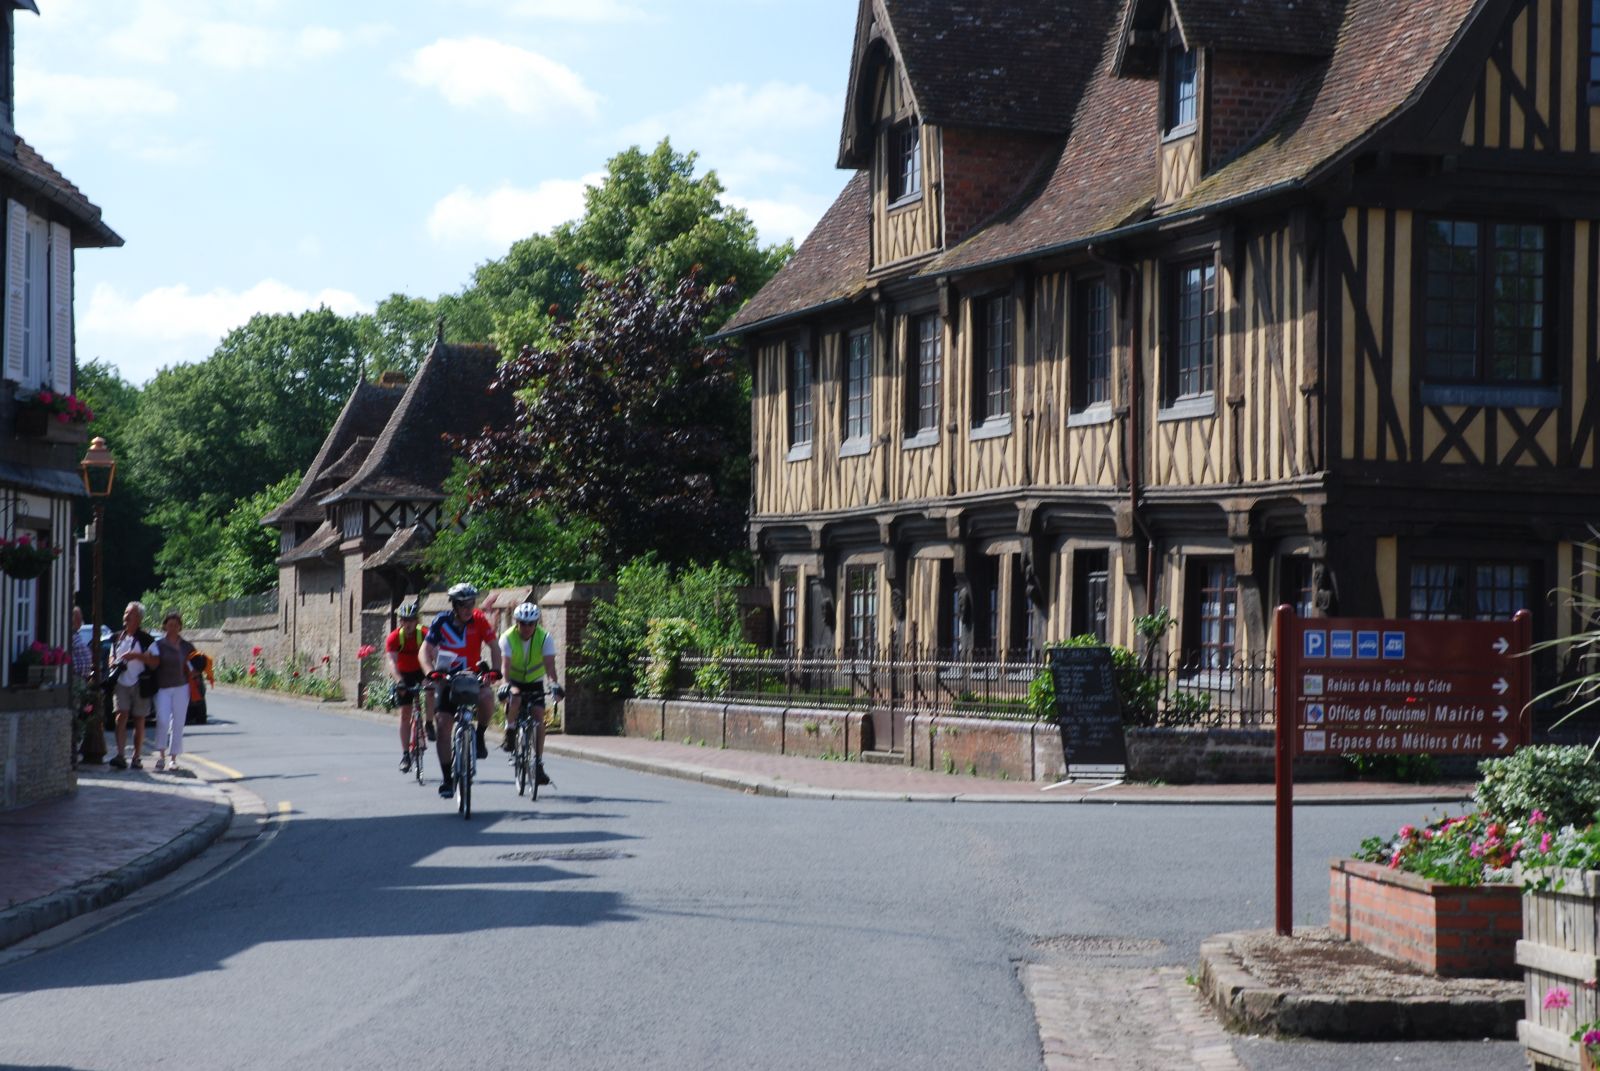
[855,447]
[38,424]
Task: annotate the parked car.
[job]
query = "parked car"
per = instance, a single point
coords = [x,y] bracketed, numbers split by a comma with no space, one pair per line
[106,635]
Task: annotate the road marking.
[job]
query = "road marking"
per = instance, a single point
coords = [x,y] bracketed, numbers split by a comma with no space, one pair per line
[227,771]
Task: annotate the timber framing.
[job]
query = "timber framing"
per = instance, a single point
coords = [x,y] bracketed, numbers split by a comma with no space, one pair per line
[1343,353]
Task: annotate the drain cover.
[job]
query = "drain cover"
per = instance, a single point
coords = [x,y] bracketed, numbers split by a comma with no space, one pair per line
[1078,944]
[565,855]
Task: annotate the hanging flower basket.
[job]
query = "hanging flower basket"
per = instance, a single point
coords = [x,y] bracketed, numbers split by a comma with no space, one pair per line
[24,558]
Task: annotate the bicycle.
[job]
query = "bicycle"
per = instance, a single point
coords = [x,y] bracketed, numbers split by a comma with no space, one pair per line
[523,760]
[457,695]
[417,746]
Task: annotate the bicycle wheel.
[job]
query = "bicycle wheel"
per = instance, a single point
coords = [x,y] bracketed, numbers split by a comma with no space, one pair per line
[419,745]
[520,764]
[465,743]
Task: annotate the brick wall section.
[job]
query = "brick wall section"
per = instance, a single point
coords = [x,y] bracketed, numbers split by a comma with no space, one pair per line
[983,172]
[1246,91]
[811,734]
[1449,930]
[35,747]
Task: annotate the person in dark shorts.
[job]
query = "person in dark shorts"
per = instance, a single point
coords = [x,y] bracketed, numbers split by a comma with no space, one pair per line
[402,650]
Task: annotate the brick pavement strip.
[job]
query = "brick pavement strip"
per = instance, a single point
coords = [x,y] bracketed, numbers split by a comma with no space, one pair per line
[64,858]
[1124,1019]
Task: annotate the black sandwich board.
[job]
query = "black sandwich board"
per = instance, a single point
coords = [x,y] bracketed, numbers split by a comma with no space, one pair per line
[1089,711]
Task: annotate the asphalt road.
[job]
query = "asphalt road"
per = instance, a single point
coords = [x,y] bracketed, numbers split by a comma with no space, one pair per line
[628,921]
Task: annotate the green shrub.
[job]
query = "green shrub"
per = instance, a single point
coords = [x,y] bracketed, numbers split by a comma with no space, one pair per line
[1563,782]
[1139,690]
[665,643]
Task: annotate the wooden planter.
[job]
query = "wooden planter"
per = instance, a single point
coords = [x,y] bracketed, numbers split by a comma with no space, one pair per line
[1454,931]
[1560,948]
[38,424]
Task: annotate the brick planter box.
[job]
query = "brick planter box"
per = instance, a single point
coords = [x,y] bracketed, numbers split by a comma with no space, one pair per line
[1453,931]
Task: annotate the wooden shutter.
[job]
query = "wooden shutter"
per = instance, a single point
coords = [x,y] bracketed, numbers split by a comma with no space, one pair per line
[61,308]
[16,266]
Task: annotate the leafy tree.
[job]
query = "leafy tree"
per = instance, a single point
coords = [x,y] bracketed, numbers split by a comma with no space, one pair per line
[650,212]
[628,422]
[397,335]
[498,547]
[204,560]
[256,410]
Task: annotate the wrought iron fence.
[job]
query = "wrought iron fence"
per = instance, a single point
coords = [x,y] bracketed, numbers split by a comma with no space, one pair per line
[1174,692]
[215,614]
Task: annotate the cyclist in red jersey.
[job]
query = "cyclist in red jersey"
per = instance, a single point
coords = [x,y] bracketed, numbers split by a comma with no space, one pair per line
[402,653]
[455,641]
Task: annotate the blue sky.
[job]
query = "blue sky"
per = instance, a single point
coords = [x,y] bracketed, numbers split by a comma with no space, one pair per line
[273,155]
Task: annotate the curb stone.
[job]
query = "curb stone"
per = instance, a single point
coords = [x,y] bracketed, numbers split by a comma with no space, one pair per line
[22,921]
[1250,1006]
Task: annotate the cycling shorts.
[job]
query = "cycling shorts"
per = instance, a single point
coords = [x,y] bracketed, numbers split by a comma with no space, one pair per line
[532,691]
[406,688]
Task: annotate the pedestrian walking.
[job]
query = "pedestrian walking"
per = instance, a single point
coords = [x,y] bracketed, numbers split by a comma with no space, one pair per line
[91,731]
[172,653]
[132,683]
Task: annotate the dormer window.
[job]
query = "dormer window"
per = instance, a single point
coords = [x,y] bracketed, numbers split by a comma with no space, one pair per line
[905,162]
[1182,79]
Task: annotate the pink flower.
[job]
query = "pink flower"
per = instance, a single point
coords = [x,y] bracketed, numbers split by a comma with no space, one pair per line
[1536,816]
[1591,1037]
[1427,834]
[1407,832]
[1476,851]
[1544,844]
[47,397]
[24,541]
[1557,998]
[1394,861]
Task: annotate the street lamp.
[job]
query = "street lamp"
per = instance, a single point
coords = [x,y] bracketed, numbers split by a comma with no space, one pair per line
[99,471]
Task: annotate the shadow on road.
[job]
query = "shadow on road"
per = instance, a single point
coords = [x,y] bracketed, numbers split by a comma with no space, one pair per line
[428,874]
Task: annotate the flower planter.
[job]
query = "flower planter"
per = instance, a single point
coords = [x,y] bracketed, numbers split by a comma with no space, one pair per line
[1560,949]
[1454,931]
[38,424]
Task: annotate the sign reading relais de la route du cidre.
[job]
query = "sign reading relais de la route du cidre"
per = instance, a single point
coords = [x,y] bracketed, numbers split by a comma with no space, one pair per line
[1384,687]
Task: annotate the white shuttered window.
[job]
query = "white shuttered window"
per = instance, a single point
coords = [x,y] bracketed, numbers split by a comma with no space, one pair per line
[38,307]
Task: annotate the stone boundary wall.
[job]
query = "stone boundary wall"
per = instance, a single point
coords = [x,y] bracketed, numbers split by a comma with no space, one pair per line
[1003,750]
[1453,931]
[35,746]
[809,733]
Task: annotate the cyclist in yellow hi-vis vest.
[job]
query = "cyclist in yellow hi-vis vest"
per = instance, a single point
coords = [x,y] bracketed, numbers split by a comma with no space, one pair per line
[530,659]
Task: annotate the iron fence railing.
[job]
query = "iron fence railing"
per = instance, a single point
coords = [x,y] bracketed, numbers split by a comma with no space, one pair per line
[216,614]
[1173,692]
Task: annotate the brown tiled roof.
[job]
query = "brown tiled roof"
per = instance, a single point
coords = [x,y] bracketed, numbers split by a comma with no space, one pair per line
[316,545]
[404,547]
[1107,175]
[351,439]
[448,396]
[830,265]
[34,171]
[1293,27]
[1018,65]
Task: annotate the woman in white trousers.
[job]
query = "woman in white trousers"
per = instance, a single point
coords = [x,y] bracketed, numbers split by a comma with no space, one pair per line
[172,653]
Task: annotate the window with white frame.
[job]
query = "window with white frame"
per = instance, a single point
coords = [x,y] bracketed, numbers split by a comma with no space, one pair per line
[858,387]
[25,612]
[36,304]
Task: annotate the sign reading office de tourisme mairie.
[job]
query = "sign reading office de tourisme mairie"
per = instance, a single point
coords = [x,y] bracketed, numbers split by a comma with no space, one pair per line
[1358,686]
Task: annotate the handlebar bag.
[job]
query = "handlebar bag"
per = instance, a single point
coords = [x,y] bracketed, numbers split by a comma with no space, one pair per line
[463,690]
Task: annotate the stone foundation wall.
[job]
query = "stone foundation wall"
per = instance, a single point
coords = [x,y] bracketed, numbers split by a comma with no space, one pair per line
[808,733]
[35,746]
[1450,930]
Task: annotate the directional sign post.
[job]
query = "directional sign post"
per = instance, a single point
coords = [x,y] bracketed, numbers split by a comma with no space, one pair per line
[1360,686]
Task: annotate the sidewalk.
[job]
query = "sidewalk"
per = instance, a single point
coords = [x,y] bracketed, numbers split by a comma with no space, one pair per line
[797,778]
[117,833]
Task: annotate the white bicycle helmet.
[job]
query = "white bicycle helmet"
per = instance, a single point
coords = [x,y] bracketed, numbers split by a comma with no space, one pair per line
[526,614]
[463,593]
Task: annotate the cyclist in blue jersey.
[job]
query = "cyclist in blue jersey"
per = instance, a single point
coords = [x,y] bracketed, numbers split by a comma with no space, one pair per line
[455,641]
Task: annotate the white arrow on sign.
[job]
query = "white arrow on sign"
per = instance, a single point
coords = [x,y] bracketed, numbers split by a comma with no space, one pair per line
[1502,714]
[1500,742]
[1501,686]
[1501,646]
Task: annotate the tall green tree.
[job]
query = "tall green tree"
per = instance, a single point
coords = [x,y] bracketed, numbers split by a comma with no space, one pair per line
[130,541]
[650,212]
[205,559]
[397,335]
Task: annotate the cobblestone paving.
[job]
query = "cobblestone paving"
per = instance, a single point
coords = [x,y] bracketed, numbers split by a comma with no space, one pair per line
[1124,1019]
[109,822]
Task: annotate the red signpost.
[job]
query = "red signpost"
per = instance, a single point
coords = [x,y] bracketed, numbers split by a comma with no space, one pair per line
[1372,686]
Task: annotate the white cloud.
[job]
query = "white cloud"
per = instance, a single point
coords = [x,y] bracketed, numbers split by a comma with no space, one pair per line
[54,108]
[173,323]
[507,214]
[319,41]
[778,221]
[731,114]
[470,71]
[233,46]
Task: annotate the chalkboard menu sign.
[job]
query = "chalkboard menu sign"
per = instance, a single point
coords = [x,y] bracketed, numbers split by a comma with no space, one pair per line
[1088,709]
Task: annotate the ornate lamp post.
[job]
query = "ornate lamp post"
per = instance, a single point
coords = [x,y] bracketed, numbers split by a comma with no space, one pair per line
[99,470]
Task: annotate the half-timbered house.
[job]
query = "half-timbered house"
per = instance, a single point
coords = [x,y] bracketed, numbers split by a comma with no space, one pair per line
[1196,305]
[46,220]
[353,532]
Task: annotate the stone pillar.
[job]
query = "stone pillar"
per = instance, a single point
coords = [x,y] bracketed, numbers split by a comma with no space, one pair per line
[565,614]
